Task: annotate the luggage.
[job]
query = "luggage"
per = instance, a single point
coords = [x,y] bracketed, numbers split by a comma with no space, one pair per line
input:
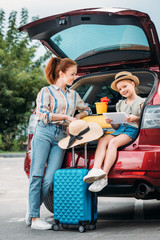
[73,203]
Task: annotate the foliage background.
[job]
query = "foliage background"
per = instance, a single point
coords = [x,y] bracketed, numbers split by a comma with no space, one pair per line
[21,78]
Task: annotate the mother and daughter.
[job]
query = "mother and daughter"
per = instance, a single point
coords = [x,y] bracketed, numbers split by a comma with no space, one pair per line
[56,106]
[105,156]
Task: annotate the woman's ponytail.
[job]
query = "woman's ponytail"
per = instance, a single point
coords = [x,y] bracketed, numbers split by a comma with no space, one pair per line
[50,69]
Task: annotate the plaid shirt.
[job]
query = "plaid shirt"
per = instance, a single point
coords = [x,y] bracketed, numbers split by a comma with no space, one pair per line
[52,100]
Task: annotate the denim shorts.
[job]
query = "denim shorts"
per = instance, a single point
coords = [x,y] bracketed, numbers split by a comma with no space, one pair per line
[126,129]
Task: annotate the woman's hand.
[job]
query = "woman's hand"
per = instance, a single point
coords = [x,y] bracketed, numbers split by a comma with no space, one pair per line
[81,115]
[70,119]
[78,116]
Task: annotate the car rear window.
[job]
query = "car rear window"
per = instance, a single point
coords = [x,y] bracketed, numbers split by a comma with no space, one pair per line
[88,39]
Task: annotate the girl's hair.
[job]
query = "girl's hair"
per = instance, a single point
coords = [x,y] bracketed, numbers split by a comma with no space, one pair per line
[55,65]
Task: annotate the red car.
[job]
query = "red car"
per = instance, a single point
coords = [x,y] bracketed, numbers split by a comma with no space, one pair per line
[104,42]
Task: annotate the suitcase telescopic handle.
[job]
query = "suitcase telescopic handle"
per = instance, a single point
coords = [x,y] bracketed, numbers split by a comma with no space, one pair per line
[85,155]
[73,157]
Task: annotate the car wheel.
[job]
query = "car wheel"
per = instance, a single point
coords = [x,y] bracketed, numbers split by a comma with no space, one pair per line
[48,202]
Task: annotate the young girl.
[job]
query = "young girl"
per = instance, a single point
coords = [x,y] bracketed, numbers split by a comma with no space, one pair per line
[56,106]
[125,83]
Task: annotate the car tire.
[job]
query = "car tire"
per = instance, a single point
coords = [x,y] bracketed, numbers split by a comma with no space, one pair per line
[48,202]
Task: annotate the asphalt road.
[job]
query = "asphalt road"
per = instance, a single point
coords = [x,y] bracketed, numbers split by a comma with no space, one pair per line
[118,218]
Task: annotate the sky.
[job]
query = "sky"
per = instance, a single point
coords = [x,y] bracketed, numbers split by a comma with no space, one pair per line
[45,8]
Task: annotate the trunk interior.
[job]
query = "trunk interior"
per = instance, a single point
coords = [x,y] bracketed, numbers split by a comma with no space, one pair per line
[92,87]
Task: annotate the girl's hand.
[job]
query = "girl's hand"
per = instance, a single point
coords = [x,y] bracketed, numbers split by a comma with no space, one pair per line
[108,120]
[132,118]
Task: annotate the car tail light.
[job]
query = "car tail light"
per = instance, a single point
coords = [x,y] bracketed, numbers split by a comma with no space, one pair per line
[138,173]
[32,123]
[151,117]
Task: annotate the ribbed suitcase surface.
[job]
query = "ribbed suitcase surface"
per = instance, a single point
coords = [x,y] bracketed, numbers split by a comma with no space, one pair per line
[72,200]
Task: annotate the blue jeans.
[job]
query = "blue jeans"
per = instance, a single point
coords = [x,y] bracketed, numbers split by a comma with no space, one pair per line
[45,150]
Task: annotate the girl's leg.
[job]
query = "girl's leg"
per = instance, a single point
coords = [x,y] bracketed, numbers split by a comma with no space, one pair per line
[110,158]
[111,153]
[101,150]
[96,172]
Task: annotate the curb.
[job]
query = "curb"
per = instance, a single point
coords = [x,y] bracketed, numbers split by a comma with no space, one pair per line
[10,155]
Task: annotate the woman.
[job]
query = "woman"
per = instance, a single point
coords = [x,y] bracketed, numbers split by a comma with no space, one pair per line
[56,106]
[125,83]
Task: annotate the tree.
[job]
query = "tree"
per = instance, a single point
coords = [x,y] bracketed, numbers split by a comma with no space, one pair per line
[21,77]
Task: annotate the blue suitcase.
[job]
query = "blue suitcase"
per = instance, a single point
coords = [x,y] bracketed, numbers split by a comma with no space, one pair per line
[73,203]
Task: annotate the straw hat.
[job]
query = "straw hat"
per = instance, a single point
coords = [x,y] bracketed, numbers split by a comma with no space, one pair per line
[80,132]
[124,76]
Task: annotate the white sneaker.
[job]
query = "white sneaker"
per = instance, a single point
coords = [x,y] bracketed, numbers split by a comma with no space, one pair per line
[41,225]
[94,174]
[27,219]
[98,185]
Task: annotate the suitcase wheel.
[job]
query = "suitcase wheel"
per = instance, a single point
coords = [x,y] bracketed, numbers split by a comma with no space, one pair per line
[92,226]
[82,229]
[55,227]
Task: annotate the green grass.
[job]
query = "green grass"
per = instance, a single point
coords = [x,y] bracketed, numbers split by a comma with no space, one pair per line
[12,151]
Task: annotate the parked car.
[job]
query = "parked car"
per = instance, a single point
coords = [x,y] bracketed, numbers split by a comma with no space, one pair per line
[104,42]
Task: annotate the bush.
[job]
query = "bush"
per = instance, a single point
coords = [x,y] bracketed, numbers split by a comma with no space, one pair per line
[21,78]
[13,144]
[0,141]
